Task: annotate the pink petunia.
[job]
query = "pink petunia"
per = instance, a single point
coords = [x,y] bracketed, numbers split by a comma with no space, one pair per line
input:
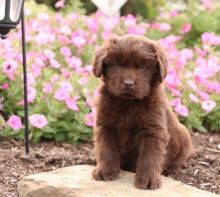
[65,51]
[60,4]
[182,110]
[49,54]
[129,20]
[207,4]
[82,80]
[65,30]
[54,63]
[5,86]
[92,24]
[89,119]
[65,85]
[186,28]
[47,88]
[210,39]
[54,78]
[71,103]
[203,95]
[193,98]
[208,105]
[38,120]
[30,79]
[9,68]
[15,122]
[161,26]
[65,73]
[136,30]
[74,62]
[61,95]
[32,92]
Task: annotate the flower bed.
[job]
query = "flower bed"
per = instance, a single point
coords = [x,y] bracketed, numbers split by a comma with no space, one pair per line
[60,81]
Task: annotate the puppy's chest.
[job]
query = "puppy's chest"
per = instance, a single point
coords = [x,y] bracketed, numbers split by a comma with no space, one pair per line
[126,118]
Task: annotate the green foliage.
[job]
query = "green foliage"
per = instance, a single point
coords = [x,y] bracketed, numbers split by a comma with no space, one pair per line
[145,8]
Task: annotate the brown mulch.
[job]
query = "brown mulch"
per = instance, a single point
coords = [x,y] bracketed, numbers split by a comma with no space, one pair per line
[202,172]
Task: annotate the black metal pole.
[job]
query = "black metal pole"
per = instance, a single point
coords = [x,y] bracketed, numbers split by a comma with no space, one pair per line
[26,130]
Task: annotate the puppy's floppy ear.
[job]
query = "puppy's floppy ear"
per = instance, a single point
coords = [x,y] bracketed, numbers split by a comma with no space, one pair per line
[98,61]
[100,55]
[162,62]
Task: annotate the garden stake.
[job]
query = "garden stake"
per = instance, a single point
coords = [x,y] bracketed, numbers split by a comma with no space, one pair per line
[25,83]
[10,14]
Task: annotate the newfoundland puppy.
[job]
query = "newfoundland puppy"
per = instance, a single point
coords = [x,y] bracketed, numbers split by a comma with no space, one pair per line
[135,128]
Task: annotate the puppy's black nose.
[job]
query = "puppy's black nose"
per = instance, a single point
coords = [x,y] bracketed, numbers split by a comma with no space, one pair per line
[129,83]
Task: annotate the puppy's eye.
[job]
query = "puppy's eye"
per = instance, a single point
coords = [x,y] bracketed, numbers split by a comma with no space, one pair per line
[142,67]
[117,66]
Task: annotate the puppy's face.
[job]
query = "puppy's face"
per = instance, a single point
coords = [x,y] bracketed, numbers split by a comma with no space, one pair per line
[130,65]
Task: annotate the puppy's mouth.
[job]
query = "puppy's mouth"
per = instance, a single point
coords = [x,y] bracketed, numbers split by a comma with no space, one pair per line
[127,96]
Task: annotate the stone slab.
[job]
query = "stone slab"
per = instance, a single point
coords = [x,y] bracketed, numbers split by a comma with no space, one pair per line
[75,181]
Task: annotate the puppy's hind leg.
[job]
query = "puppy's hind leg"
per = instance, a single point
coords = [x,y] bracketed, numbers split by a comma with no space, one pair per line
[182,146]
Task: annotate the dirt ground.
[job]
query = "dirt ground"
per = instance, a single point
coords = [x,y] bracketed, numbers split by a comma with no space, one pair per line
[202,172]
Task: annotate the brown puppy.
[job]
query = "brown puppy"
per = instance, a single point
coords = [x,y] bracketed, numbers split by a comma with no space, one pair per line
[136,129]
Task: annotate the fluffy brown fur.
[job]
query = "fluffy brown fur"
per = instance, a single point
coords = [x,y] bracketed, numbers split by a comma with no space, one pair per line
[136,129]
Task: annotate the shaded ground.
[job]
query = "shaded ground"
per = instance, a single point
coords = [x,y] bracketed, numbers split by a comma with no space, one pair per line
[202,172]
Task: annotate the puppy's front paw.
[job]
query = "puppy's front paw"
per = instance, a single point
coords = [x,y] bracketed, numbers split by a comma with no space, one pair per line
[101,174]
[147,182]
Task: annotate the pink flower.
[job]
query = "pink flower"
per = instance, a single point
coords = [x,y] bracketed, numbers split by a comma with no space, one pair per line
[32,92]
[203,95]
[172,80]
[192,85]
[54,63]
[82,80]
[54,78]
[61,95]
[74,62]
[173,13]
[175,102]
[207,4]
[49,54]
[161,26]
[30,79]
[129,20]
[92,24]
[193,98]
[47,88]
[44,38]
[9,68]
[110,23]
[182,110]
[89,119]
[65,51]
[210,39]
[136,30]
[36,70]
[65,73]
[65,30]
[79,41]
[5,86]
[71,103]
[79,38]
[38,120]
[208,105]
[186,28]
[60,4]
[65,85]
[15,122]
